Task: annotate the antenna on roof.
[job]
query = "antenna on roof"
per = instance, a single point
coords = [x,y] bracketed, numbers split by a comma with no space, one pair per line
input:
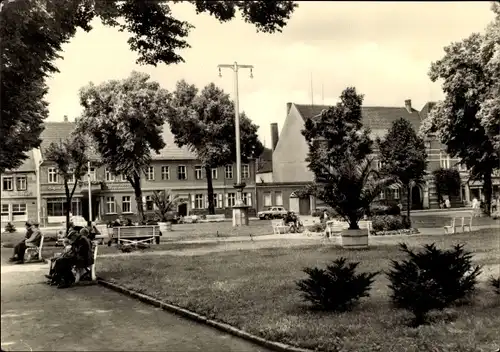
[312,91]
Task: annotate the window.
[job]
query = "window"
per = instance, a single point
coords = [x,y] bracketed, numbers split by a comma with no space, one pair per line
[92,174]
[181,173]
[5,212]
[396,193]
[165,173]
[52,175]
[149,203]
[109,176]
[247,198]
[215,174]
[198,201]
[444,160]
[110,205]
[278,198]
[245,171]
[198,172]
[57,206]
[231,199]
[72,178]
[229,171]
[379,165]
[21,183]
[124,178]
[126,208]
[7,184]
[216,204]
[267,199]
[150,173]
[19,212]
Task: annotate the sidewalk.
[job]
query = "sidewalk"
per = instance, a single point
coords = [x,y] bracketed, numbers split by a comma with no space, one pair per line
[39,317]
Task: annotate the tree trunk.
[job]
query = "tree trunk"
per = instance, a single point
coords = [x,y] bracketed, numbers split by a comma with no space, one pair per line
[488,190]
[68,205]
[136,184]
[408,203]
[353,222]
[210,190]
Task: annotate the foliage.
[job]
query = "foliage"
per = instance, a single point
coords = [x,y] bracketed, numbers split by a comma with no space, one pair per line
[317,227]
[338,156]
[204,123]
[403,156]
[337,287]
[166,204]
[495,283]
[388,223]
[70,157]
[467,121]
[431,279]
[10,227]
[447,182]
[125,120]
[385,210]
[33,32]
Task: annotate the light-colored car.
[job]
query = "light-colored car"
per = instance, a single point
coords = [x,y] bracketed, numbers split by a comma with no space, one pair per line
[272,213]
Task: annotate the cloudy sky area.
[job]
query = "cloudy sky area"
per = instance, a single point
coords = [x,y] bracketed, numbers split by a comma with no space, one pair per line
[383,49]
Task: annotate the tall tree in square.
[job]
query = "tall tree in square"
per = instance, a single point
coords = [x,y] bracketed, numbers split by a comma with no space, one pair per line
[33,32]
[125,120]
[467,121]
[204,122]
[402,154]
[70,157]
[339,149]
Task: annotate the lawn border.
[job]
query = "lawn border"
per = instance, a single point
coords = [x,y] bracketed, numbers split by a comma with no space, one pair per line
[273,345]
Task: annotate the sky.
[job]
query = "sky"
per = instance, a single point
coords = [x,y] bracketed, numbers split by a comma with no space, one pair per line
[384,49]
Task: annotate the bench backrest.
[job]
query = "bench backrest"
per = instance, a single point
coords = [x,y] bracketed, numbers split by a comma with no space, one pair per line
[136,231]
[216,217]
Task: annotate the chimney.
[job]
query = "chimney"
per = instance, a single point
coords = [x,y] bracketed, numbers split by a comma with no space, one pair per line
[408,105]
[65,118]
[288,107]
[274,135]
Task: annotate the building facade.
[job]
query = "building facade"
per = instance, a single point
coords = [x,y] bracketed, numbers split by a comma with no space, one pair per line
[174,169]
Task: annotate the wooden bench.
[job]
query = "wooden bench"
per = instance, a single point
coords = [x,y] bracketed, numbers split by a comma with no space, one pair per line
[89,272]
[214,218]
[278,225]
[365,224]
[135,235]
[34,252]
[465,222]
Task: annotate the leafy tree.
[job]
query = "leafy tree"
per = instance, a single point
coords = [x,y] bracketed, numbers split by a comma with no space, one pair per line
[33,32]
[338,156]
[204,122]
[467,121]
[447,182]
[403,156]
[70,158]
[125,120]
[166,204]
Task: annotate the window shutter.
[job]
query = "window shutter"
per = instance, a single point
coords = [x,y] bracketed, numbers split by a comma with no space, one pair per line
[143,200]
[206,201]
[192,201]
[226,202]
[219,200]
[249,199]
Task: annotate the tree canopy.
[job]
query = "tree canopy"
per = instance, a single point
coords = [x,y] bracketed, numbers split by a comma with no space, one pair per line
[467,121]
[125,120]
[33,32]
[205,123]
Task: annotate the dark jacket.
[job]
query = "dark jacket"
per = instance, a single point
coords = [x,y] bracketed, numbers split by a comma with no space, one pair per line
[29,232]
[82,252]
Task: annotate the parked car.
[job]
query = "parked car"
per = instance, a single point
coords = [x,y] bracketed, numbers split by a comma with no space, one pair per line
[272,213]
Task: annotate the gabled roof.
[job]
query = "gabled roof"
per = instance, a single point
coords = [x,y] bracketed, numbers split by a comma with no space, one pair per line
[424,113]
[55,131]
[265,161]
[377,118]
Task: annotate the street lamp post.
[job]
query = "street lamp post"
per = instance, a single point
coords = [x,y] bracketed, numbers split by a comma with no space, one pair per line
[89,191]
[240,210]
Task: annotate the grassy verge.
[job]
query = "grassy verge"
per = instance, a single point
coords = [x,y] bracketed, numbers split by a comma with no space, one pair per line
[255,291]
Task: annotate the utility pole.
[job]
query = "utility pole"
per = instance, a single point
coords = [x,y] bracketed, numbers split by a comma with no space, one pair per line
[90,192]
[240,211]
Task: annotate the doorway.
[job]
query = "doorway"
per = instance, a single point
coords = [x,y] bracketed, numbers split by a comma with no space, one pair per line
[416,199]
[182,209]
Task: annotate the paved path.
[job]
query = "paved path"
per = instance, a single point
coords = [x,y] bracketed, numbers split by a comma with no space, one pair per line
[39,317]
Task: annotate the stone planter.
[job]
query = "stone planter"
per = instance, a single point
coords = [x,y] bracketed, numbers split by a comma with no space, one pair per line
[354,239]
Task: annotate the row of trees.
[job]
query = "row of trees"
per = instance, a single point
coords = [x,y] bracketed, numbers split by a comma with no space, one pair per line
[33,32]
[122,122]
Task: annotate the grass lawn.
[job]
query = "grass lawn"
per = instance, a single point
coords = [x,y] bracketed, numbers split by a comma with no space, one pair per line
[255,291]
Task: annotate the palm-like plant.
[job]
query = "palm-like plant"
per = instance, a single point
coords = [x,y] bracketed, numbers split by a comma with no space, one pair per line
[165,203]
[350,188]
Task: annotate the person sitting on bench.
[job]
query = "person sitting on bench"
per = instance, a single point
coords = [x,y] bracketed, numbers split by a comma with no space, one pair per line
[79,256]
[32,239]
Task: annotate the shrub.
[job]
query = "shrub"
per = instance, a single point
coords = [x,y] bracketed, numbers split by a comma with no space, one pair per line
[385,210]
[10,227]
[318,227]
[387,223]
[495,283]
[336,288]
[431,279]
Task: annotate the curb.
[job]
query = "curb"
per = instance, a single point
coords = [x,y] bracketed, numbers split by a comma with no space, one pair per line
[276,346]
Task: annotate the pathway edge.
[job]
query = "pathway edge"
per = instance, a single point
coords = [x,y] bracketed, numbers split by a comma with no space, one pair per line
[276,346]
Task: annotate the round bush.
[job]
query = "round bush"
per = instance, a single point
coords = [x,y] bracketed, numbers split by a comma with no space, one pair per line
[387,223]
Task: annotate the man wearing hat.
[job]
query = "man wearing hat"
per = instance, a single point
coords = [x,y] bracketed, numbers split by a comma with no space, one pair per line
[32,238]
